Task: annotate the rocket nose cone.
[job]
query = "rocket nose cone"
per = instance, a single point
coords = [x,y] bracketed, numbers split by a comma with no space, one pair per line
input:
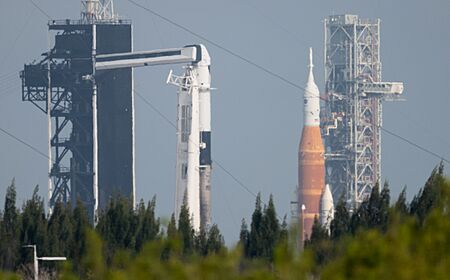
[327,193]
[327,198]
[326,201]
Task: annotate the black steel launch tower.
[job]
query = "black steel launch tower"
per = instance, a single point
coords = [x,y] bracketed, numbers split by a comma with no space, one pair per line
[62,84]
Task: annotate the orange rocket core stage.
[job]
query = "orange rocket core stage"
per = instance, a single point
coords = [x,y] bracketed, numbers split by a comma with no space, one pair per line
[311,176]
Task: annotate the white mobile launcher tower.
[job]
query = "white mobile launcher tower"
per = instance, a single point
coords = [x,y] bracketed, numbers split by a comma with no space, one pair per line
[193,169]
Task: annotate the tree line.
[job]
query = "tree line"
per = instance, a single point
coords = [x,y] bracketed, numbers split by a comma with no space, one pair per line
[121,227]
[376,240]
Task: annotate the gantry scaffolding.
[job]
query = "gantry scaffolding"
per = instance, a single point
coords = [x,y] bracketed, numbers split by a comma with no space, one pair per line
[61,85]
[352,117]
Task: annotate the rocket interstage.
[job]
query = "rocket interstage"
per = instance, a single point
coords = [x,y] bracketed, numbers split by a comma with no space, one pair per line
[311,162]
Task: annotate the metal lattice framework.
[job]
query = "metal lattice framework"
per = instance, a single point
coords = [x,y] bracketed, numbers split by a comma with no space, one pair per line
[353,113]
[56,88]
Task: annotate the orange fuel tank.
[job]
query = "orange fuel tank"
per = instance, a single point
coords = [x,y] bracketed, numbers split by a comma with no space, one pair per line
[311,176]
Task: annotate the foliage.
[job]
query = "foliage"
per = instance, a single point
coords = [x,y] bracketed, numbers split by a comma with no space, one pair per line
[185,229]
[401,206]
[429,196]
[9,245]
[265,231]
[33,229]
[375,241]
[340,225]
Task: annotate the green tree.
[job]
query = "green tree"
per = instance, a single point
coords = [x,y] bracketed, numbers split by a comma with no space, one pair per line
[244,238]
[372,212]
[172,227]
[60,230]
[149,226]
[340,225]
[374,207]
[256,244]
[215,242]
[117,226]
[171,243]
[410,249]
[428,196]
[265,232]
[33,229]
[401,206]
[360,218]
[319,243]
[200,240]
[284,230]
[270,229]
[9,237]
[80,227]
[185,229]
[383,212]
[318,232]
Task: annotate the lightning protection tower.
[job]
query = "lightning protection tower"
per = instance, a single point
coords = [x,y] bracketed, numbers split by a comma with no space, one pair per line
[90,121]
[354,91]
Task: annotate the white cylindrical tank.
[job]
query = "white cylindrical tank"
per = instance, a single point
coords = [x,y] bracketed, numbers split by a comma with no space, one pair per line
[326,208]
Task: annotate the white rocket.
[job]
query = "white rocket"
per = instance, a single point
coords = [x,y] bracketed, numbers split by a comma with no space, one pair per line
[311,161]
[326,208]
[194,141]
[193,167]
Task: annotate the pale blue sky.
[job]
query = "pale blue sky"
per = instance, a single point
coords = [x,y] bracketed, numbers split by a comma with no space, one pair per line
[256,117]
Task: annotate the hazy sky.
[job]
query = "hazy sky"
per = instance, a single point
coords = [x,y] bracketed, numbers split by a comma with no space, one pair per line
[257,119]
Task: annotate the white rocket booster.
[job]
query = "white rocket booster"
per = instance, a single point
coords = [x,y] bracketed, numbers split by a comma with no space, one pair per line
[205,161]
[326,208]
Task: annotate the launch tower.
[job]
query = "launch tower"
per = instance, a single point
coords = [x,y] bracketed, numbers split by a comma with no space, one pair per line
[354,91]
[91,122]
